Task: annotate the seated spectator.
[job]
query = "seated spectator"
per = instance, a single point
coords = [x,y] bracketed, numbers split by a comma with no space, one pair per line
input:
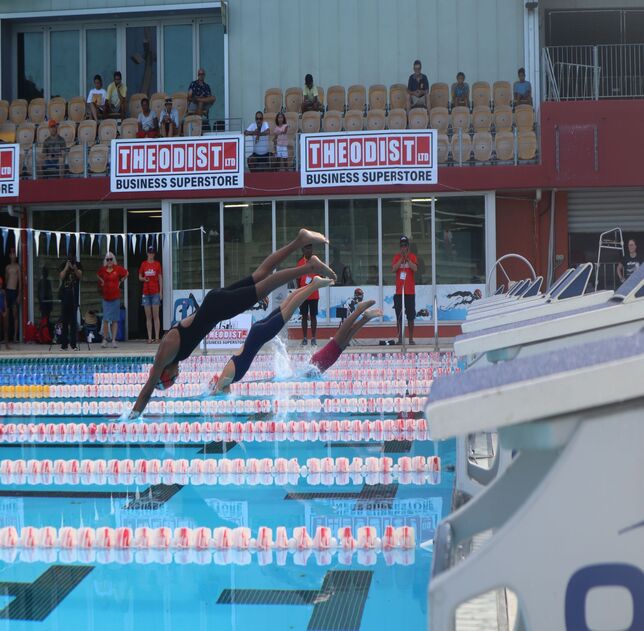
[310,100]
[96,99]
[460,91]
[417,88]
[53,150]
[522,90]
[259,131]
[280,132]
[116,93]
[148,123]
[200,97]
[169,120]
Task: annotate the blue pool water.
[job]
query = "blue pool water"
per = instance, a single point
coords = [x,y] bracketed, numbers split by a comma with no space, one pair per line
[240,590]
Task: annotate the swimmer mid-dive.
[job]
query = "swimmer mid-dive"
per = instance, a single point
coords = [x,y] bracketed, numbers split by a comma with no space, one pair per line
[222,304]
[266,329]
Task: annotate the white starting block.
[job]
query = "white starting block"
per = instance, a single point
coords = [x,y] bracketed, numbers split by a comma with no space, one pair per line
[567,515]
[515,292]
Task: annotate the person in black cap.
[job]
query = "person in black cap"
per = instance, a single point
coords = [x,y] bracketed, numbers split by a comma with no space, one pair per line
[404,265]
[151,277]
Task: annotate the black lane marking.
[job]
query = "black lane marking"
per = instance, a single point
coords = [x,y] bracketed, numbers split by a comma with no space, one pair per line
[218,447]
[397,447]
[154,497]
[67,494]
[369,492]
[267,597]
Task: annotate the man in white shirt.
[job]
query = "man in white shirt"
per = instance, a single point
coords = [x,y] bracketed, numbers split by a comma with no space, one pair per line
[168,120]
[96,99]
[148,123]
[259,132]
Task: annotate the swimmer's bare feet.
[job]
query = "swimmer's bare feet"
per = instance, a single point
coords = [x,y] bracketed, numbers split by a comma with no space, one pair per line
[306,237]
[372,313]
[363,306]
[320,282]
[320,268]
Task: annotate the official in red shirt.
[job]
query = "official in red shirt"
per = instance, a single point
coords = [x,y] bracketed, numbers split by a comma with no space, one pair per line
[151,277]
[404,265]
[110,278]
[309,308]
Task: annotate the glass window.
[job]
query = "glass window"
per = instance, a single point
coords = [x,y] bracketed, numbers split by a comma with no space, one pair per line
[100,44]
[31,72]
[177,58]
[141,52]
[248,238]
[65,63]
[211,59]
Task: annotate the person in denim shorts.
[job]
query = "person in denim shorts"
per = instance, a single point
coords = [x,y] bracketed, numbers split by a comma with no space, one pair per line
[151,277]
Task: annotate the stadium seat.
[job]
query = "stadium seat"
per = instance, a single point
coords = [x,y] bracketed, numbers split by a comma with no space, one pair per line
[417,118]
[135,103]
[321,96]
[98,156]
[18,111]
[439,119]
[439,95]
[397,118]
[377,98]
[336,99]
[357,98]
[76,160]
[4,111]
[76,109]
[526,145]
[273,100]
[524,117]
[293,122]
[398,96]
[310,122]
[36,111]
[180,103]
[480,94]
[443,148]
[107,131]
[332,122]
[26,133]
[482,145]
[192,125]
[504,145]
[375,120]
[502,93]
[293,100]
[460,118]
[481,119]
[42,133]
[157,101]
[354,120]
[56,109]
[28,160]
[129,128]
[461,147]
[67,131]
[502,118]
[87,132]
[7,132]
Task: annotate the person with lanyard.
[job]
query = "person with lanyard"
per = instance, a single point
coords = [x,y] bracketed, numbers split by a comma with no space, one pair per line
[259,132]
[70,274]
[110,278]
[309,307]
[150,275]
[404,265]
[222,304]
[629,263]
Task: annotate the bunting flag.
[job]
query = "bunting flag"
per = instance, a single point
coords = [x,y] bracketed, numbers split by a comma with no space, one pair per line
[133,243]
[47,241]
[16,240]
[91,242]
[58,235]
[81,240]
[124,242]
[68,238]
[5,238]
[36,240]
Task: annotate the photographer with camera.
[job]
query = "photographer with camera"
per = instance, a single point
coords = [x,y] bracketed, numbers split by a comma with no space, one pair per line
[70,274]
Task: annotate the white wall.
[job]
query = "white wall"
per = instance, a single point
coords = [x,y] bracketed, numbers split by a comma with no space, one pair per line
[276,42]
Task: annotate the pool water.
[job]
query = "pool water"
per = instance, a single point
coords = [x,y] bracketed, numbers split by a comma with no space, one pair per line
[211,589]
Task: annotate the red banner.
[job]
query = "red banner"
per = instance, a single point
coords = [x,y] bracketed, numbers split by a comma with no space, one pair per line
[9,171]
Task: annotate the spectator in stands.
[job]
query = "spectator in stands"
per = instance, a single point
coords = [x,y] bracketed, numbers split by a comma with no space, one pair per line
[53,150]
[310,102]
[280,132]
[200,97]
[630,262]
[70,274]
[148,123]
[96,99]
[417,87]
[110,278]
[13,286]
[259,131]
[460,91]
[116,93]
[169,120]
[404,265]
[522,89]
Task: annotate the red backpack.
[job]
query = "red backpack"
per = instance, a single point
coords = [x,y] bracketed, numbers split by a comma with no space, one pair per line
[44,336]
[31,333]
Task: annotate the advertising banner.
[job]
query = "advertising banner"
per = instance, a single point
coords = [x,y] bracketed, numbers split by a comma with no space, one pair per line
[230,333]
[9,171]
[369,158]
[177,164]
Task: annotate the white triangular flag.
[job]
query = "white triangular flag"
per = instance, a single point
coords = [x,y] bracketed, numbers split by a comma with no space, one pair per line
[133,243]
[58,235]
[36,240]
[16,240]
[91,242]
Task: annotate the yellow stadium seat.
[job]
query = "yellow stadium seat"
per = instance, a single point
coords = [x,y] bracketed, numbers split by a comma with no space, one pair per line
[98,156]
[527,145]
[321,96]
[439,119]
[56,109]
[357,98]
[129,128]
[157,100]
[18,111]
[501,93]
[8,132]
[336,99]
[26,133]
[417,118]
[524,117]
[376,120]
[443,148]
[87,132]
[377,98]
[67,131]
[332,122]
[481,118]
[439,95]
[107,131]
[460,118]
[42,133]
[482,145]
[135,103]
[37,110]
[504,146]
[4,111]
[29,160]
[293,122]
[398,96]
[502,118]
[461,147]
[480,94]
[76,109]
[293,100]
[180,103]
[354,120]
[192,125]
[76,160]
[273,100]
[397,118]
[310,122]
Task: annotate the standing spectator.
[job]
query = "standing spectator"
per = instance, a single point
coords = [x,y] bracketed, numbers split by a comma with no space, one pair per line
[169,120]
[70,274]
[259,131]
[404,265]
[151,276]
[310,100]
[148,123]
[12,276]
[116,94]
[4,314]
[96,99]
[45,295]
[281,142]
[522,89]
[110,279]
[630,262]
[200,97]
[460,91]
[417,88]
[53,150]
[309,308]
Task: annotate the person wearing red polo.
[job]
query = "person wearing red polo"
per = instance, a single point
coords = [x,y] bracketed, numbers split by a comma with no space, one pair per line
[309,308]
[404,265]
[150,275]
[110,278]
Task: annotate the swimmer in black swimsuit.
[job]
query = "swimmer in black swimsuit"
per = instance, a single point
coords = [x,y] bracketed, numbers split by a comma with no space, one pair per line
[263,331]
[222,304]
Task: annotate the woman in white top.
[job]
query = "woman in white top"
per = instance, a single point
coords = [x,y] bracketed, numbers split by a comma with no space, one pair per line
[96,99]
[148,123]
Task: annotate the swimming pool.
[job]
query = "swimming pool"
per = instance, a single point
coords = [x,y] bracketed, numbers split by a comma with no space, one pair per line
[294,461]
